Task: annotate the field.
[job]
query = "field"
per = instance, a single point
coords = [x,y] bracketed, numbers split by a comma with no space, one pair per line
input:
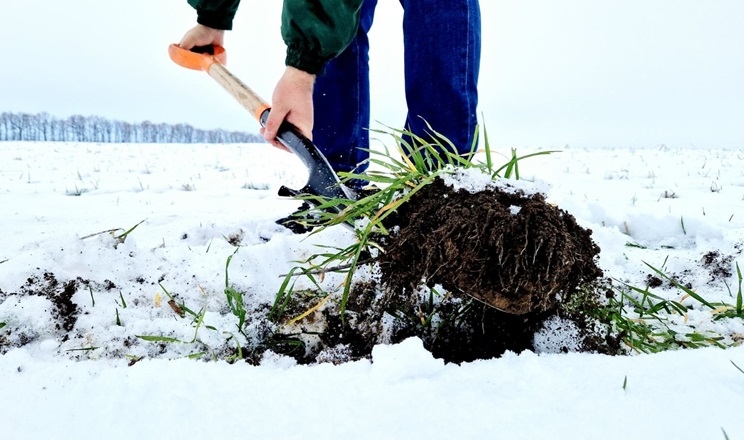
[97,239]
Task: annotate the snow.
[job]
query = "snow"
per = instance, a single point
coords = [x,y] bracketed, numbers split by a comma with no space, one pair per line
[474,180]
[674,205]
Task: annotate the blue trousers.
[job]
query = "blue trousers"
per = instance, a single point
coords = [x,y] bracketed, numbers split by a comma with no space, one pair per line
[442,44]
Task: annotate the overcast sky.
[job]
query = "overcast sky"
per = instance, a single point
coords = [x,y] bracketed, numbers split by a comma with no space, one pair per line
[577,72]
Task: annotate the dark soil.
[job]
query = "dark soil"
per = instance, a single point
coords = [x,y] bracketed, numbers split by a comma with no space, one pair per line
[65,311]
[472,274]
[719,266]
[654,281]
[513,252]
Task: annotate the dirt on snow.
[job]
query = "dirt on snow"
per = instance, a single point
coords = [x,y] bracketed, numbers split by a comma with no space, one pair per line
[503,261]
[472,274]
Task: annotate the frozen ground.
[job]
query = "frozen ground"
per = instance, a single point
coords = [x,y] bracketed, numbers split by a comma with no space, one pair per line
[193,203]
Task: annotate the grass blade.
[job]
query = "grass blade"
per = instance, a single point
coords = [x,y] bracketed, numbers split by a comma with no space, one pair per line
[737,367]
[82,349]
[159,339]
[123,236]
[676,284]
[739,295]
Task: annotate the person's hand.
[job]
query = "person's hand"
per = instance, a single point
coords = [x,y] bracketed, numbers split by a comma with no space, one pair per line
[292,101]
[201,35]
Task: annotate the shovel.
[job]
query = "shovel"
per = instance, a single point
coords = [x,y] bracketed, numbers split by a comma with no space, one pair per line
[322,180]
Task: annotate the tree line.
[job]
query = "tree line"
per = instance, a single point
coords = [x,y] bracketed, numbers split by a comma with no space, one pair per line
[77,128]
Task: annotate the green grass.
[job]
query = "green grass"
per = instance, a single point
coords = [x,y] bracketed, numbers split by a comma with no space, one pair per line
[198,323]
[182,311]
[644,320]
[123,303]
[234,297]
[123,236]
[737,311]
[77,192]
[256,186]
[399,175]
[737,367]
[649,323]
[641,318]
[236,305]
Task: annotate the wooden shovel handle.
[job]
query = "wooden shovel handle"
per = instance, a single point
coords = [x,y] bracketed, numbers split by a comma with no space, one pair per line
[213,64]
[322,181]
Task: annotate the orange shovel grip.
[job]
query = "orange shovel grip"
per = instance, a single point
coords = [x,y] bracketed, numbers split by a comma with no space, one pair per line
[195,60]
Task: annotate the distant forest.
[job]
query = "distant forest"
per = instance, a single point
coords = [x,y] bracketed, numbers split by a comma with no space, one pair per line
[44,127]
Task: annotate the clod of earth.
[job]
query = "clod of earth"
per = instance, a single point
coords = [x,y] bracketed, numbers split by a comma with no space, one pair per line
[511,251]
[60,294]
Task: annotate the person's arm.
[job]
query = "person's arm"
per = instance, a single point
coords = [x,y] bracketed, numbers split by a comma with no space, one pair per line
[215,14]
[314,31]
[317,31]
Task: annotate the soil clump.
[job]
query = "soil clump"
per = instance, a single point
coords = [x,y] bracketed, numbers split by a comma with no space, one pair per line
[511,251]
[473,275]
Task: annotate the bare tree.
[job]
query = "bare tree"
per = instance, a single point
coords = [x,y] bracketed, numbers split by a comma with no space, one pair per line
[78,128]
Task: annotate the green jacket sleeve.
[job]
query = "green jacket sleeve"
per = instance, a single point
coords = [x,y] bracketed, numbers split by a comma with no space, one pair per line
[316,31]
[217,14]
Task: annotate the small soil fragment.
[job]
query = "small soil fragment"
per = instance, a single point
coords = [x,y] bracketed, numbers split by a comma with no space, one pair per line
[719,266]
[60,294]
[653,281]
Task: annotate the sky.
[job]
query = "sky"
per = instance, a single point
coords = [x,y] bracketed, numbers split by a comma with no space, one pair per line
[575,72]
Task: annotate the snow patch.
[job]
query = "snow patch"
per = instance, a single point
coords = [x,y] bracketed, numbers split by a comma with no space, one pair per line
[406,360]
[557,335]
[475,180]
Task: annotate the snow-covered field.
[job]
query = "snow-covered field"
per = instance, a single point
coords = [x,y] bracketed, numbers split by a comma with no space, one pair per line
[193,203]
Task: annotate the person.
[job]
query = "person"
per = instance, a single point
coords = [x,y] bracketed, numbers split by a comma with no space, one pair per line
[327,69]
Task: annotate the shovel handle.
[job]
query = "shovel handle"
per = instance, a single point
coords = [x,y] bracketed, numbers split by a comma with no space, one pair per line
[212,61]
[323,180]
